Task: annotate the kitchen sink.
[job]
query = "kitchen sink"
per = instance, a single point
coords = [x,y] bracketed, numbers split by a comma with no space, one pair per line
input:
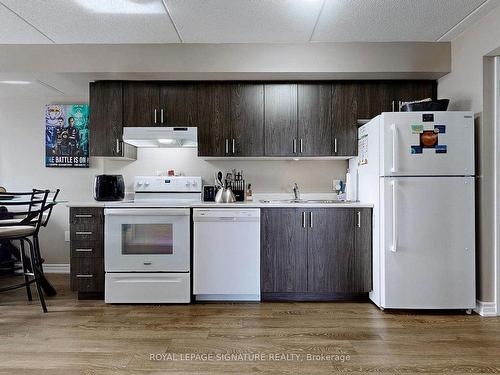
[283,201]
[326,201]
[323,201]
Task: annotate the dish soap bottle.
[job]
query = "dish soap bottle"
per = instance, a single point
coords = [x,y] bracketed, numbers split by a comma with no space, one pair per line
[249,193]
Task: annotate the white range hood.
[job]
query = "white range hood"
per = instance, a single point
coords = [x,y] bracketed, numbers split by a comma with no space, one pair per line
[166,137]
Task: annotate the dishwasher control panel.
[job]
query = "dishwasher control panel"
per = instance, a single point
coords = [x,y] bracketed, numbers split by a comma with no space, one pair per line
[226,213]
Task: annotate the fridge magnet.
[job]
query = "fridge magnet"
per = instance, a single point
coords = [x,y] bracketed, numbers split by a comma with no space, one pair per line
[429,139]
[363,146]
[441,128]
[66,135]
[417,129]
[441,149]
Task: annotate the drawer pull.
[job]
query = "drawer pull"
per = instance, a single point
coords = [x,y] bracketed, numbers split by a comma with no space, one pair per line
[84,216]
[84,250]
[85,276]
[83,233]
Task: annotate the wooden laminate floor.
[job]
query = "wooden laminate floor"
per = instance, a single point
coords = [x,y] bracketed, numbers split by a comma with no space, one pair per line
[89,337]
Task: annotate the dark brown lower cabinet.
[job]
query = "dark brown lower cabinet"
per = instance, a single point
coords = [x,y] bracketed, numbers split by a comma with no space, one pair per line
[283,239]
[315,254]
[87,251]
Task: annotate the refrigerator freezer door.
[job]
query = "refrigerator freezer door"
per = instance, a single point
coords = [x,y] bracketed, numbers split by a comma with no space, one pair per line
[427,243]
[413,145]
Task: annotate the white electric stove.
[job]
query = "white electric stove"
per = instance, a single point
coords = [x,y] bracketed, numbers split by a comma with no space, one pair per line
[147,242]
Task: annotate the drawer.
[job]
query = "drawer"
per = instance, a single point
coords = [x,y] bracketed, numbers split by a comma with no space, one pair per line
[87,232]
[87,249]
[86,215]
[87,274]
[147,287]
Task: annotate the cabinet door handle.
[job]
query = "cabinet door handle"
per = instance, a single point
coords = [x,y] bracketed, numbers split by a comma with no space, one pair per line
[303,219]
[359,219]
[335,145]
[227,145]
[234,146]
[156,115]
[83,233]
[117,146]
[393,106]
[86,216]
[310,219]
[161,115]
[85,276]
[84,250]
[300,147]
[294,146]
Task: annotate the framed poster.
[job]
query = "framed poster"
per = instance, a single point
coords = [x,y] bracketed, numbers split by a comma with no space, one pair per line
[67,135]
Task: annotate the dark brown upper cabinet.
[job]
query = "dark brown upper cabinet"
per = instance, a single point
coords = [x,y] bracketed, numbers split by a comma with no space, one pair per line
[230,119]
[247,120]
[315,122]
[141,104]
[178,104]
[105,135]
[106,121]
[280,121]
[214,115]
[345,119]
[373,98]
[409,91]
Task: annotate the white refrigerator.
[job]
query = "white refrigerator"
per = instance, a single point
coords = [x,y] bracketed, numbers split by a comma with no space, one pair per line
[417,169]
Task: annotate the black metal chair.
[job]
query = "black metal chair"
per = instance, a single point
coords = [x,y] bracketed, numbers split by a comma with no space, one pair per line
[28,217]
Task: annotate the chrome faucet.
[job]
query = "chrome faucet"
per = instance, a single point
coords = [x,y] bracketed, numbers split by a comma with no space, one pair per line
[296,191]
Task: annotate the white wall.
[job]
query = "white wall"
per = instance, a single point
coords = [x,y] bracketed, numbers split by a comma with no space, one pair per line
[464,86]
[22,167]
[264,175]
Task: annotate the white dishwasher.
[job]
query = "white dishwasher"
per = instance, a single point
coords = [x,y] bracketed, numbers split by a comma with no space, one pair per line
[226,255]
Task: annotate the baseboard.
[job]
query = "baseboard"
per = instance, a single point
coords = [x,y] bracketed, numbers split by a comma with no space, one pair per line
[486,308]
[55,268]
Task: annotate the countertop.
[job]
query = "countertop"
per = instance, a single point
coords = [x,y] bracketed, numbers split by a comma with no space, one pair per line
[256,203]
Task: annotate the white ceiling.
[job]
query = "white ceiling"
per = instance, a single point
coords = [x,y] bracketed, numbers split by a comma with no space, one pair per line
[389,20]
[234,21]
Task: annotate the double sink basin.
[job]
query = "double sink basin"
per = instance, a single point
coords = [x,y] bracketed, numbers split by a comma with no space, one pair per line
[324,201]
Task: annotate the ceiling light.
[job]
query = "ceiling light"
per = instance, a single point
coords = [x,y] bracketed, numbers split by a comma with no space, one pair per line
[16,82]
[123,6]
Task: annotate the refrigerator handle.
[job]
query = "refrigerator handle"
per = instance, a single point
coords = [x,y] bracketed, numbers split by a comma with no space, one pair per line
[394,218]
[394,147]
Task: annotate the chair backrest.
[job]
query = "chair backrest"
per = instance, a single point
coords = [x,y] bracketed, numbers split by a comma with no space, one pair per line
[28,206]
[49,206]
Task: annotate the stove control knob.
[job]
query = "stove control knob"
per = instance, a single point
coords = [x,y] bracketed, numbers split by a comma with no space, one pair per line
[194,183]
[139,183]
[146,183]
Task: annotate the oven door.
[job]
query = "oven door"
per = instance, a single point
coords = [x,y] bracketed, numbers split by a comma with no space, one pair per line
[146,240]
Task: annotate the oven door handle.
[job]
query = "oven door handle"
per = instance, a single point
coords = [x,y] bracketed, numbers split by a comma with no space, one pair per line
[146,211]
